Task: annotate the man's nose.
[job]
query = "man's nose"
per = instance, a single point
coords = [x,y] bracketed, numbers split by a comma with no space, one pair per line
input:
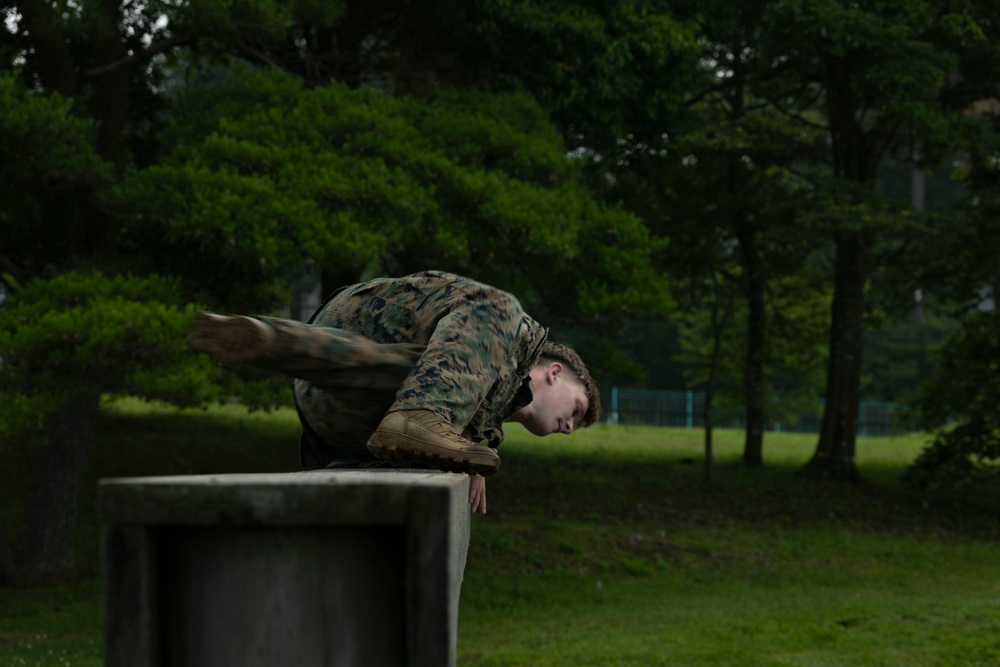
[568,426]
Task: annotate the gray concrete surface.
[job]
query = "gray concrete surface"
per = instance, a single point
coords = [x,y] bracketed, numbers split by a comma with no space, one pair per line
[315,569]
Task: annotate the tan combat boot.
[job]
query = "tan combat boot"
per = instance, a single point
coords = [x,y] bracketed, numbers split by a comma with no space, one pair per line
[231,339]
[422,438]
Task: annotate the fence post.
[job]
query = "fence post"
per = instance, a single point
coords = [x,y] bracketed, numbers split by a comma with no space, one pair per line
[614,404]
[690,409]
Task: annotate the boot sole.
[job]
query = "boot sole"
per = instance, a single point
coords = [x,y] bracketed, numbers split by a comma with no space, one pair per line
[442,459]
[409,459]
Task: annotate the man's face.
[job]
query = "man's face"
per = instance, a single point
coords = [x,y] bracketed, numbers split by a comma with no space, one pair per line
[558,402]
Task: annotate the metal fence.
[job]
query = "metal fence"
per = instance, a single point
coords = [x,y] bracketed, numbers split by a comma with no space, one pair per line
[685,409]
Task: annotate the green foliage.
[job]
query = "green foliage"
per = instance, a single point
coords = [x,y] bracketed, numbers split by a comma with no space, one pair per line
[970,367]
[961,400]
[508,132]
[47,156]
[45,146]
[794,351]
[345,178]
[964,454]
[884,70]
[899,352]
[605,70]
[84,334]
[727,194]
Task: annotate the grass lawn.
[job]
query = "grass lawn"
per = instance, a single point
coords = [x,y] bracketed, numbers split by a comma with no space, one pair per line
[607,548]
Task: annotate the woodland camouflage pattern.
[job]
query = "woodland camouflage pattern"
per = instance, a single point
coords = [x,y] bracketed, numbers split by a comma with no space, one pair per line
[433,341]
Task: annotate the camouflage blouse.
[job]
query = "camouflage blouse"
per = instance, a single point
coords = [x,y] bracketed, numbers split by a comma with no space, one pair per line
[476,344]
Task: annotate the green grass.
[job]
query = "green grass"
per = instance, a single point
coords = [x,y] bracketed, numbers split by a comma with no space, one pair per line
[51,627]
[608,548]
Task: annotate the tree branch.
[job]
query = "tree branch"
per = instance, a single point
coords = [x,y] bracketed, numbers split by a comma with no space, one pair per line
[251,53]
[153,49]
[708,91]
[892,256]
[772,102]
[753,79]
[54,61]
[9,267]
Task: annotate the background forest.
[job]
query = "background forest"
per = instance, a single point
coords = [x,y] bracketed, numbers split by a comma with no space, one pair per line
[778,203]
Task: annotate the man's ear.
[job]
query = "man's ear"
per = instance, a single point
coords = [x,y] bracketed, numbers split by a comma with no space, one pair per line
[553,371]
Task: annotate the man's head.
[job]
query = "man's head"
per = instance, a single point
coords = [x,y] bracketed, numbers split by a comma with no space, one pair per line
[564,396]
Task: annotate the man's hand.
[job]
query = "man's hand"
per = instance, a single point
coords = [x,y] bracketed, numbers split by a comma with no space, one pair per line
[477,487]
[477,493]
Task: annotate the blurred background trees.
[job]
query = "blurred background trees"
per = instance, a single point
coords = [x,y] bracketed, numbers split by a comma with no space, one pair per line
[741,194]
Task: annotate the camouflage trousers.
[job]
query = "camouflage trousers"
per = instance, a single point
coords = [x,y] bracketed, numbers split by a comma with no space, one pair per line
[441,344]
[344,384]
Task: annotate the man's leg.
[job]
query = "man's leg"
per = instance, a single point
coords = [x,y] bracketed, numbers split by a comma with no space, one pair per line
[334,359]
[337,423]
[463,358]
[344,382]
[325,356]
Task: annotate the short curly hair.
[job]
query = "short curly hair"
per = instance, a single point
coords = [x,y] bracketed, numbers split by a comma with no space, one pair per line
[570,359]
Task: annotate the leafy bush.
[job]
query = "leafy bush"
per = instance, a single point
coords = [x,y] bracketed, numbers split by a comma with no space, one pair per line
[961,402]
[86,334]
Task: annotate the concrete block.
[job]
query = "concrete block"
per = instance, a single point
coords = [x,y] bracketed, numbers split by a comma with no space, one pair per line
[313,569]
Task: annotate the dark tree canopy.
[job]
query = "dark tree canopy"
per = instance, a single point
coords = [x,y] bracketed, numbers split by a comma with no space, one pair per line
[168,157]
[598,159]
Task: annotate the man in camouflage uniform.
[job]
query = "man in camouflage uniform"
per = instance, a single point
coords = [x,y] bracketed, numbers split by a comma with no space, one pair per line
[413,371]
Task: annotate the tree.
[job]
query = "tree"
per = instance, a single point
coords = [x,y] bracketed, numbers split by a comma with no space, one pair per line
[350,178]
[243,193]
[961,266]
[721,305]
[65,342]
[880,73]
[959,405]
[594,67]
[49,158]
[747,150]
[725,176]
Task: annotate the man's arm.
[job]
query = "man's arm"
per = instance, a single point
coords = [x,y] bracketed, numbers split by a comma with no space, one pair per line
[477,484]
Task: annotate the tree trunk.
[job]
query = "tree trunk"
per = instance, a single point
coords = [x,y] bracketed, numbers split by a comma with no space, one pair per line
[834,456]
[709,449]
[56,471]
[348,57]
[55,63]
[719,321]
[754,372]
[112,89]
[746,235]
